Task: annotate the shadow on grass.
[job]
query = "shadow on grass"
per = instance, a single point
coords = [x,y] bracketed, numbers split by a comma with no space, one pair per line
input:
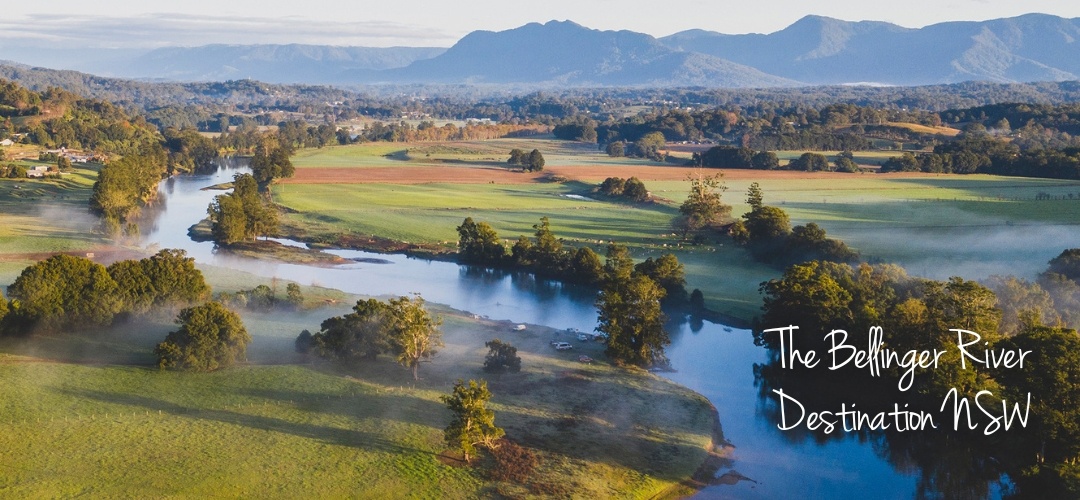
[603,420]
[326,434]
[387,406]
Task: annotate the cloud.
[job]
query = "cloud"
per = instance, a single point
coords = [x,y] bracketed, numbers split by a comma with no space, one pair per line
[159,30]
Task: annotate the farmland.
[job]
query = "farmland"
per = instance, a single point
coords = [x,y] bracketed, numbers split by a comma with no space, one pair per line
[47,215]
[937,225]
[87,413]
[283,426]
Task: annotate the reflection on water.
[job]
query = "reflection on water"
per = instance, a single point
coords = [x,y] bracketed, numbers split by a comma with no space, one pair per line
[714,360]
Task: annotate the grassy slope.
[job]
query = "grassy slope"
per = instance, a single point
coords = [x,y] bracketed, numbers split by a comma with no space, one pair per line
[863,209]
[292,430]
[47,215]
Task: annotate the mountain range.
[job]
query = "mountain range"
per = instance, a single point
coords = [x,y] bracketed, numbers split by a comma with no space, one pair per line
[813,51]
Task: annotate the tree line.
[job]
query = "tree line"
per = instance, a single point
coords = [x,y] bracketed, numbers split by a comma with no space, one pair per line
[547,257]
[631,296]
[982,153]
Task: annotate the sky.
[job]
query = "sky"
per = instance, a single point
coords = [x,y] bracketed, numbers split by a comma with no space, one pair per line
[143,24]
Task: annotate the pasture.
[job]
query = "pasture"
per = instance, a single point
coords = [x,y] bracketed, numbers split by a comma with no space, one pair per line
[302,430]
[935,225]
[47,215]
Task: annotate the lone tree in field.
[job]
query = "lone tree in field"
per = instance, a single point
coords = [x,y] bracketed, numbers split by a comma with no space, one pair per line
[473,424]
[501,357]
[703,207]
[210,337]
[414,334]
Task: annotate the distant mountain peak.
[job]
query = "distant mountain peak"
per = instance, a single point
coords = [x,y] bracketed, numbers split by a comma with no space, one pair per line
[813,50]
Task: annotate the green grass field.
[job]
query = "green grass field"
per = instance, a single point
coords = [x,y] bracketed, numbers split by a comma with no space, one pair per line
[954,221]
[299,430]
[428,213]
[47,215]
[496,151]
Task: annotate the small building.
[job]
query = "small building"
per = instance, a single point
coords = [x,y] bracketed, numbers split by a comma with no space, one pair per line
[39,171]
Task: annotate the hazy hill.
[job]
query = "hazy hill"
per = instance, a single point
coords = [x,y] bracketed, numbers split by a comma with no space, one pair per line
[270,63]
[813,51]
[822,50]
[570,54]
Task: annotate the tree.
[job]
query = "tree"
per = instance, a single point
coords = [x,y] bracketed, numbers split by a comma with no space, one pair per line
[618,265]
[358,336]
[845,162]
[767,224]
[473,423]
[134,288]
[294,296]
[586,266]
[1067,264]
[650,144]
[811,296]
[4,307]
[521,254]
[635,190]
[765,160]
[241,214]
[517,157]
[414,334]
[1054,370]
[1022,304]
[535,162]
[703,207]
[547,251]
[16,172]
[629,313]
[754,196]
[271,161]
[613,186]
[210,337]
[65,292]
[501,357]
[478,243]
[697,301]
[810,162]
[174,278]
[305,342]
[667,272]
[616,149]
[228,220]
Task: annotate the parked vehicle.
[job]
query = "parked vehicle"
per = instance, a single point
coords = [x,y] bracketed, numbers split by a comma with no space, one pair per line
[518,328]
[562,346]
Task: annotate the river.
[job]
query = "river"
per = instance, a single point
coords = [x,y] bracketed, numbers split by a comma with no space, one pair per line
[712,359]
